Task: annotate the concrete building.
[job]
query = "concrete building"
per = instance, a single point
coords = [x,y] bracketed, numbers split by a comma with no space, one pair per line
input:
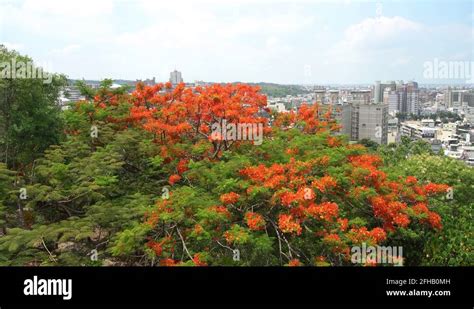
[69,94]
[461,102]
[429,123]
[333,96]
[358,117]
[279,107]
[369,121]
[320,96]
[380,88]
[402,98]
[468,155]
[459,97]
[175,77]
[359,96]
[341,113]
[354,111]
[412,99]
[469,115]
[417,130]
[392,98]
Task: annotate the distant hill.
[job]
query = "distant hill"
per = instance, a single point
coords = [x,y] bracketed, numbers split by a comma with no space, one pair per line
[277,90]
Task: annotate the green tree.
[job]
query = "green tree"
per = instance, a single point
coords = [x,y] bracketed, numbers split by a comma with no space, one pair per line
[29,115]
[454,244]
[395,153]
[6,192]
[369,144]
[82,192]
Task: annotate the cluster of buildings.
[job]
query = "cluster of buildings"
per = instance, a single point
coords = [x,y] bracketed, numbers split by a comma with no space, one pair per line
[461,102]
[401,97]
[384,112]
[453,139]
[355,109]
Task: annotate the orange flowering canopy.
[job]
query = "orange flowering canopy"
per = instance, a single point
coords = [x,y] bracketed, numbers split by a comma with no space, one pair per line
[304,197]
[187,115]
[311,118]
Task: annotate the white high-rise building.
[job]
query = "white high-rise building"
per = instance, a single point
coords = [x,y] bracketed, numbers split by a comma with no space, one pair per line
[413,102]
[175,77]
[392,99]
[412,98]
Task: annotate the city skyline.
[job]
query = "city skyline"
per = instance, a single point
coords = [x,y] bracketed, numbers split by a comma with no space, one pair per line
[306,42]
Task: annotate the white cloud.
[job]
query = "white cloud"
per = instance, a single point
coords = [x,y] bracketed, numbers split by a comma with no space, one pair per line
[211,39]
[201,24]
[216,40]
[383,46]
[70,8]
[381,31]
[66,50]
[56,18]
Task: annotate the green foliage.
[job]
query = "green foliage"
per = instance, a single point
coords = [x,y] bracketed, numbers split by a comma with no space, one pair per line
[369,144]
[6,192]
[82,194]
[30,118]
[396,153]
[454,244]
[105,193]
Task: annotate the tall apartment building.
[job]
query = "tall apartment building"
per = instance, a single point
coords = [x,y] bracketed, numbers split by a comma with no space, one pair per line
[392,98]
[369,121]
[175,77]
[412,98]
[402,98]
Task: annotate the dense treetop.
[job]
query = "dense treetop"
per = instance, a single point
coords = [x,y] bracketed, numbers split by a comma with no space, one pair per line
[139,179]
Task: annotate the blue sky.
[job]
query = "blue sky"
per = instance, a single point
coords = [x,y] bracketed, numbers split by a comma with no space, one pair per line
[312,42]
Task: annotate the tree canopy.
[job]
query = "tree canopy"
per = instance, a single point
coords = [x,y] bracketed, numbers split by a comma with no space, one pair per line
[144,178]
[140,179]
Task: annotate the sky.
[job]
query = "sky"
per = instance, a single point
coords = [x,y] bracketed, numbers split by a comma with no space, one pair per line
[280,41]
